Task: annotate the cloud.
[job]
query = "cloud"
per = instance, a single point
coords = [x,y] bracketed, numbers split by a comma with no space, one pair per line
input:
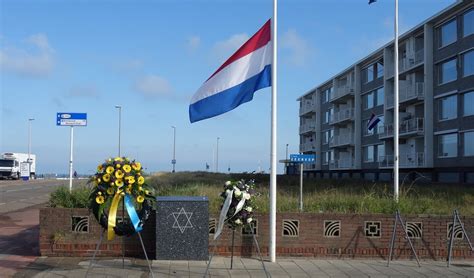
[193,43]
[81,91]
[129,65]
[224,49]
[58,102]
[27,62]
[298,49]
[152,86]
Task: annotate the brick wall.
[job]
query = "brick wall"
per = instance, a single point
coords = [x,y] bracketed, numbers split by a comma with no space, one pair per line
[298,234]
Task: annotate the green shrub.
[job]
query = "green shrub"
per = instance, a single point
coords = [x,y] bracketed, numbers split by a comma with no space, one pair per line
[62,198]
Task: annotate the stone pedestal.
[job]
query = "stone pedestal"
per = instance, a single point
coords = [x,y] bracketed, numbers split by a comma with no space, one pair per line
[182,228]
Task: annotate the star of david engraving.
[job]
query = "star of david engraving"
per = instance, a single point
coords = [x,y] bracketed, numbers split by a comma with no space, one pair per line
[187,218]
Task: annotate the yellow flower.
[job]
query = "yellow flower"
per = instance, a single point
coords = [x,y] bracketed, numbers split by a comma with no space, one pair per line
[119,183]
[99,199]
[147,192]
[100,168]
[100,193]
[131,180]
[117,166]
[140,199]
[97,181]
[106,177]
[127,168]
[109,169]
[110,190]
[129,190]
[136,166]
[119,174]
[141,180]
[140,188]
[118,159]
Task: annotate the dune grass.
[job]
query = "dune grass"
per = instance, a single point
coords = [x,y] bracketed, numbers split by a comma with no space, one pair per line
[339,196]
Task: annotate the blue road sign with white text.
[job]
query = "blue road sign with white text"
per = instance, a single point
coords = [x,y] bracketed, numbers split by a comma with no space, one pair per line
[302,158]
[71,119]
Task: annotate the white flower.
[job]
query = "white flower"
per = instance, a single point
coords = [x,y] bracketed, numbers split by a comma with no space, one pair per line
[237,192]
[227,183]
[238,221]
[249,209]
[246,196]
[249,220]
[228,191]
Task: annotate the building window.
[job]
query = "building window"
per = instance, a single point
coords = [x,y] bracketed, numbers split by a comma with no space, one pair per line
[448,145]
[327,136]
[448,108]
[380,152]
[369,154]
[469,143]
[468,63]
[327,95]
[447,33]
[368,100]
[379,69]
[380,96]
[468,101]
[468,23]
[369,74]
[447,71]
[325,158]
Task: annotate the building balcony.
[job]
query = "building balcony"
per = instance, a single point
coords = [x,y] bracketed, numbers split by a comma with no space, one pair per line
[340,164]
[408,63]
[342,116]
[341,94]
[307,147]
[342,140]
[407,160]
[408,128]
[306,108]
[306,128]
[408,93]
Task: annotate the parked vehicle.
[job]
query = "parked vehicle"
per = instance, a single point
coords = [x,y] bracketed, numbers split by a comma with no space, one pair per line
[16,165]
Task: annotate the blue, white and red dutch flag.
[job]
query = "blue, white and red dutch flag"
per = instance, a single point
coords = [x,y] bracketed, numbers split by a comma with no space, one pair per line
[373,121]
[235,82]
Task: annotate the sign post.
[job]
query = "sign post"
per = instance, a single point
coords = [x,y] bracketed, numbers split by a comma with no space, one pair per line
[302,159]
[71,119]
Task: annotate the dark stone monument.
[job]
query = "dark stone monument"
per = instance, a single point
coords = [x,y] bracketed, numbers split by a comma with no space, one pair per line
[182,228]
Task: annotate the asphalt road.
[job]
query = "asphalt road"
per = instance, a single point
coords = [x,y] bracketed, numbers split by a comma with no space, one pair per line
[16,195]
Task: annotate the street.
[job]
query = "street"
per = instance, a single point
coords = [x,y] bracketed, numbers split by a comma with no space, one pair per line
[19,194]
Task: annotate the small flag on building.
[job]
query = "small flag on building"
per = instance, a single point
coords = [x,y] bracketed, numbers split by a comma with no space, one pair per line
[235,82]
[373,121]
[372,1]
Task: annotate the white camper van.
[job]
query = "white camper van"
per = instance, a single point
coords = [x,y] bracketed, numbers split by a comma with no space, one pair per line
[16,165]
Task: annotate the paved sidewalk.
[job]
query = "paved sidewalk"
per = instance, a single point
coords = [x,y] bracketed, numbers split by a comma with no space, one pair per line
[47,267]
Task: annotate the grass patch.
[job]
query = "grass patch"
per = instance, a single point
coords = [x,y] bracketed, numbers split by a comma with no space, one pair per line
[77,198]
[339,196]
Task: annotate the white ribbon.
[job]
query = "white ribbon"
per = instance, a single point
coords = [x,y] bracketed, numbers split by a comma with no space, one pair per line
[222,216]
[240,205]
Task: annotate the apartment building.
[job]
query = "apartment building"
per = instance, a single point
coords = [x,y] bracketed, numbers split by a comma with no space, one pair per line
[436,107]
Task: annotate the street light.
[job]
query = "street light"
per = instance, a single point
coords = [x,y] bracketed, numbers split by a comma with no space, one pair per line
[286,160]
[119,107]
[217,155]
[29,146]
[174,148]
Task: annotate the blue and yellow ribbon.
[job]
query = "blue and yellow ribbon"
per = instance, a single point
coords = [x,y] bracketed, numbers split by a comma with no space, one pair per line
[113,214]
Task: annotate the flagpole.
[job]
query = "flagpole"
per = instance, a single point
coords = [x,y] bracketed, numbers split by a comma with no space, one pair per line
[273,176]
[395,113]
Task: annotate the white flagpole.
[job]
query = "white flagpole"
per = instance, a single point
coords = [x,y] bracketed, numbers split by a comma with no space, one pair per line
[395,113]
[273,166]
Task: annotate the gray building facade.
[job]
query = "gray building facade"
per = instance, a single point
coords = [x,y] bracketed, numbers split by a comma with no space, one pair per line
[436,107]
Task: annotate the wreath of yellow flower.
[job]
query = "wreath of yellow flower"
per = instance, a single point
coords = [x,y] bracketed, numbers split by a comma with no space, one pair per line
[127,168]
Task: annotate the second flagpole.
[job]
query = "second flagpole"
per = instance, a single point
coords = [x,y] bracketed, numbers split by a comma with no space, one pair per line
[273,176]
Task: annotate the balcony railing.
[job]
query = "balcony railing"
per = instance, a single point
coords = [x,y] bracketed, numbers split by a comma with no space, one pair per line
[306,147]
[407,63]
[306,108]
[409,91]
[342,91]
[407,160]
[342,115]
[305,128]
[407,127]
[345,163]
[342,140]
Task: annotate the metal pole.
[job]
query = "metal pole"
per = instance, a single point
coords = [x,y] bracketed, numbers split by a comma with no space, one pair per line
[451,239]
[392,241]
[119,107]
[232,250]
[71,159]
[217,153]
[174,148]
[29,147]
[395,113]
[273,161]
[301,186]
[286,160]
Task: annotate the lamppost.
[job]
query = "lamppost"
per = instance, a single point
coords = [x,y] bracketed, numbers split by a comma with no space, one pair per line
[29,146]
[217,155]
[286,160]
[174,148]
[119,107]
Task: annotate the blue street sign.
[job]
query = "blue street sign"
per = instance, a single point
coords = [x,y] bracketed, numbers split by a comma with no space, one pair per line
[71,119]
[302,158]
[173,161]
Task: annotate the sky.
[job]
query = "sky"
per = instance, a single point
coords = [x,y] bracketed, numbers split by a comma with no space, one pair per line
[150,57]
